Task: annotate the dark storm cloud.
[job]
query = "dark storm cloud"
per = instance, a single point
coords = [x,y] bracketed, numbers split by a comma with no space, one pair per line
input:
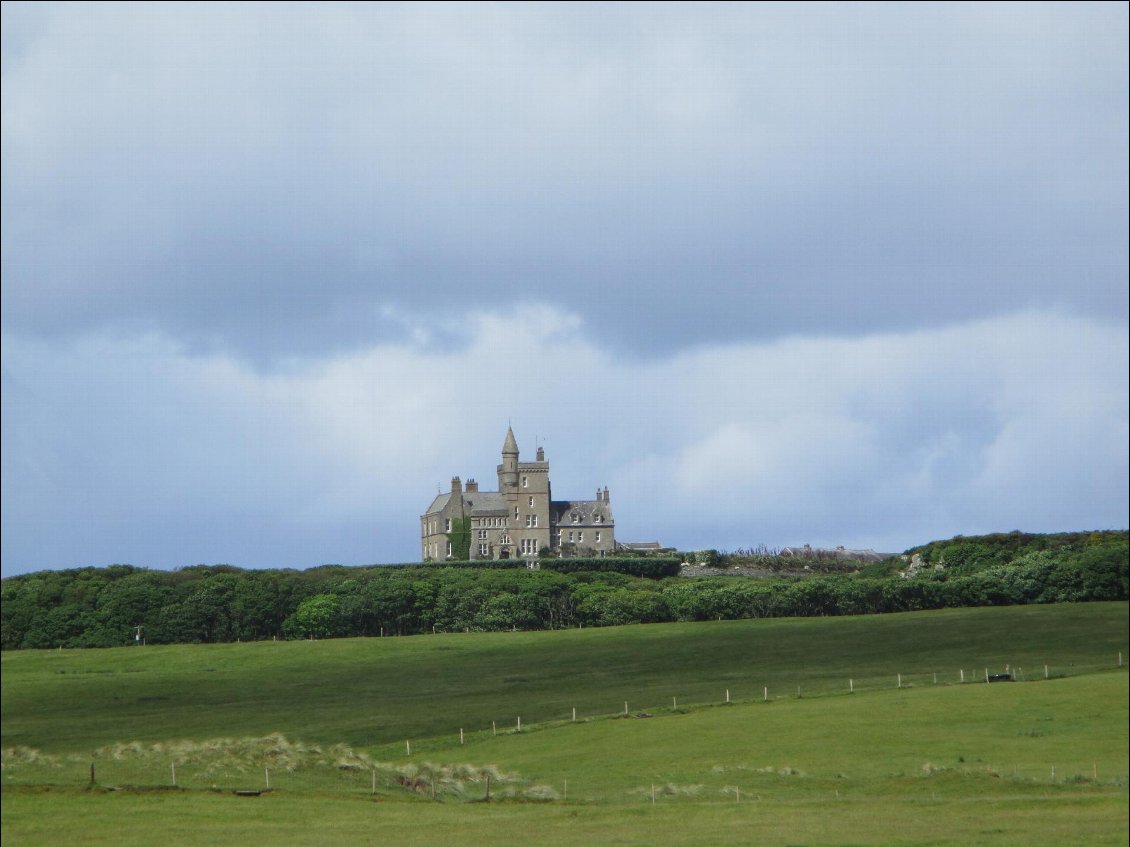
[271,180]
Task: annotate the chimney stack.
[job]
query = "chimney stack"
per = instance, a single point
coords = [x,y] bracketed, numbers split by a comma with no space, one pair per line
[472,486]
[456,485]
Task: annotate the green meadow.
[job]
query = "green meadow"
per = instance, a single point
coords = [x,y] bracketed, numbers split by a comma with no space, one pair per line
[837,731]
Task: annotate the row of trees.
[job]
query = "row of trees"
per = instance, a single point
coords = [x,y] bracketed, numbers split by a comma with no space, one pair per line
[93,607]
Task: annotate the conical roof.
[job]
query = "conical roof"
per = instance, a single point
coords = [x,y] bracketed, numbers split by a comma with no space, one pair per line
[511,446]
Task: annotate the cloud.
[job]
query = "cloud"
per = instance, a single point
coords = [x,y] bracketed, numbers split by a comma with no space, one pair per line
[271,180]
[272,273]
[134,449]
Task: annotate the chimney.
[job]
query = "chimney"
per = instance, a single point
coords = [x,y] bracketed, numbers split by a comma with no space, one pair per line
[606,494]
[456,485]
[541,454]
[598,494]
[472,486]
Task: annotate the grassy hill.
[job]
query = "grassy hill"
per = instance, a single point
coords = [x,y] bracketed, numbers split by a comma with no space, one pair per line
[930,762]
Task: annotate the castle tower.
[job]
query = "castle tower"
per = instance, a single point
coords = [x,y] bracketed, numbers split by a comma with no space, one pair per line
[508,470]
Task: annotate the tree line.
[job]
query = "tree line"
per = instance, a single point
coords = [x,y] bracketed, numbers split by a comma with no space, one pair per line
[112,606]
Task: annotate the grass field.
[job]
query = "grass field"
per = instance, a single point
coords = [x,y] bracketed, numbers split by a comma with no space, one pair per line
[328,723]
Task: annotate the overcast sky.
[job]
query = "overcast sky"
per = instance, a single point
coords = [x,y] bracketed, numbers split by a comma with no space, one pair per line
[774,274]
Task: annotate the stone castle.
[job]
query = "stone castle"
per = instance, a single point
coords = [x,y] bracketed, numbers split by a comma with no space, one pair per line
[521,519]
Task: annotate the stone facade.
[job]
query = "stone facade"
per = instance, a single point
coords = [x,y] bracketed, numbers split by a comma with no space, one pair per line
[521,518]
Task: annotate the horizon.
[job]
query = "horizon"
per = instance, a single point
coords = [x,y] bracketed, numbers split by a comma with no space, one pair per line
[736,552]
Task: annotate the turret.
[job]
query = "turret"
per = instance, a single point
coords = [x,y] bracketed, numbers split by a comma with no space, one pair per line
[508,470]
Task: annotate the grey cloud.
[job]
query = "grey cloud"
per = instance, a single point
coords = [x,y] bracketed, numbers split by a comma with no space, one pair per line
[269,180]
[133,449]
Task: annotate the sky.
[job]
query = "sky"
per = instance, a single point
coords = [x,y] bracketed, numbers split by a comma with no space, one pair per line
[775,274]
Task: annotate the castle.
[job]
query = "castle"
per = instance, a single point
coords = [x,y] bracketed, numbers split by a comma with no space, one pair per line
[521,519]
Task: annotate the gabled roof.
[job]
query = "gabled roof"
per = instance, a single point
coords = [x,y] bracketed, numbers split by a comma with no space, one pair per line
[474,503]
[562,511]
[485,503]
[438,503]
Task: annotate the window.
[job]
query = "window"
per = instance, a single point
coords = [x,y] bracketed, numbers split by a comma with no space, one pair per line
[576,517]
[531,520]
[447,524]
[484,550]
[598,518]
[580,536]
[529,547]
[570,536]
[525,482]
[598,537]
[515,513]
[482,535]
[504,539]
[531,502]
[449,549]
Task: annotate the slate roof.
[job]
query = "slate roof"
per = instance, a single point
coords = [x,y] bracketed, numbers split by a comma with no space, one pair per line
[474,503]
[485,503]
[438,503]
[562,511]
